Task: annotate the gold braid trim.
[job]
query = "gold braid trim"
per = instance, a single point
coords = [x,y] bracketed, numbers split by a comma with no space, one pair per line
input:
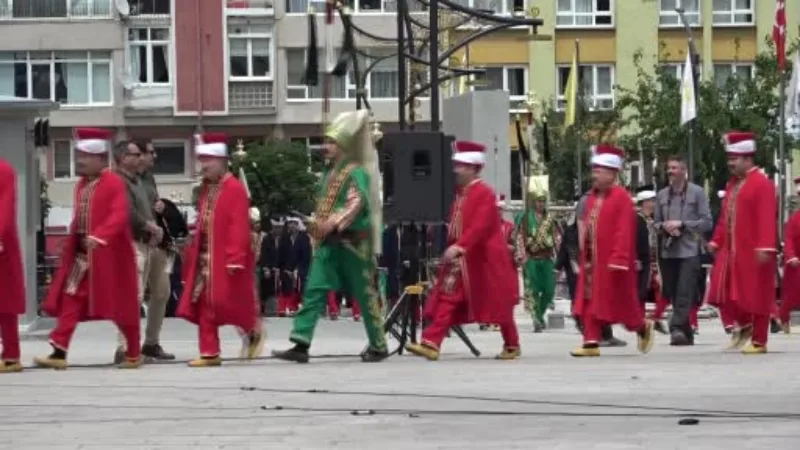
[326,203]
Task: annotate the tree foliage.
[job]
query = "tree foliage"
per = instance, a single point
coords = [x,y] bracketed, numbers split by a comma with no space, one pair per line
[649,115]
[566,145]
[280,180]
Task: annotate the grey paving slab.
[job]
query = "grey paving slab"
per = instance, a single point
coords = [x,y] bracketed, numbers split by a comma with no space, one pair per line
[545,400]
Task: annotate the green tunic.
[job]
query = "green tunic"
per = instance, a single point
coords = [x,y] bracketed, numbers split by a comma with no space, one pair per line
[537,273]
[343,262]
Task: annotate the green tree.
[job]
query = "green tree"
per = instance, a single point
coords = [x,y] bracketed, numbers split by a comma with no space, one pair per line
[592,127]
[279,178]
[649,114]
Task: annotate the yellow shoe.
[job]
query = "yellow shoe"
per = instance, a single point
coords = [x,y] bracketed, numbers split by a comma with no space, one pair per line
[645,342]
[50,363]
[256,345]
[753,349]
[206,362]
[585,352]
[10,367]
[425,351]
[509,353]
[740,337]
[786,328]
[131,363]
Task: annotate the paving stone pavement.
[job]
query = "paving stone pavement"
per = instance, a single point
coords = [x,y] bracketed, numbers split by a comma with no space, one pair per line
[545,400]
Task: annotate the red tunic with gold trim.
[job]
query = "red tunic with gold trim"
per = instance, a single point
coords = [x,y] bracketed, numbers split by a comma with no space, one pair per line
[12,278]
[746,225]
[222,242]
[101,215]
[489,284]
[790,290]
[607,282]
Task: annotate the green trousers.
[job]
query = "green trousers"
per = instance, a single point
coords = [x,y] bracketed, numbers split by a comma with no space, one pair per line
[540,286]
[341,267]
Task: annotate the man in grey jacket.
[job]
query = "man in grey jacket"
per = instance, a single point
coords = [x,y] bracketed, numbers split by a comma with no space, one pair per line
[682,217]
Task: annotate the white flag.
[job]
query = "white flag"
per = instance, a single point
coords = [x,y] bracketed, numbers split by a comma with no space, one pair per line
[688,105]
[793,89]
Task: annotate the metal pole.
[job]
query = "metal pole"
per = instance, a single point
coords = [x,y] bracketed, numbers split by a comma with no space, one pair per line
[402,76]
[433,56]
[579,101]
[782,154]
[695,58]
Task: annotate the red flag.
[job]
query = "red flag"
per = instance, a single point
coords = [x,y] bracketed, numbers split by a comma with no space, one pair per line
[779,33]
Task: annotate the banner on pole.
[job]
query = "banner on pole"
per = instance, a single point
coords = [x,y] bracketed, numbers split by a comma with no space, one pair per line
[688,103]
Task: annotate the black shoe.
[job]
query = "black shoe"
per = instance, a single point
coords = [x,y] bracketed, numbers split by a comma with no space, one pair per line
[119,355]
[538,326]
[775,326]
[298,354]
[679,339]
[373,356]
[613,342]
[660,327]
[155,352]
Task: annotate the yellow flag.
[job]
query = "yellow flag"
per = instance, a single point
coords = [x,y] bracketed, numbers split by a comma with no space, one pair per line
[571,92]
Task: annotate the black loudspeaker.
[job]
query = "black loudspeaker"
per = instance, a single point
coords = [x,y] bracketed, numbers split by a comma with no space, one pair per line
[418,179]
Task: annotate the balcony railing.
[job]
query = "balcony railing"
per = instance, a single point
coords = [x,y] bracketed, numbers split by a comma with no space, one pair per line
[54,9]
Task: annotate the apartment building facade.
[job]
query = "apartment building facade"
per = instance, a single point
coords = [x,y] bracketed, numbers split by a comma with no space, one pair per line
[161,69]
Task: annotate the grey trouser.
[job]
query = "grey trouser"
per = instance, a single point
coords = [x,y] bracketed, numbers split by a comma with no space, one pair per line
[153,269]
[679,277]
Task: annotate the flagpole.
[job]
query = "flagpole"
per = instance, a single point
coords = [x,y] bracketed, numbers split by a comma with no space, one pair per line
[578,103]
[781,153]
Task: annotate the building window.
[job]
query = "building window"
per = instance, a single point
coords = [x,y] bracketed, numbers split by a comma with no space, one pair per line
[374,6]
[64,160]
[148,55]
[69,78]
[149,7]
[667,16]
[249,51]
[584,13]
[596,86]
[171,157]
[512,79]
[53,9]
[676,70]
[723,72]
[733,12]
[380,82]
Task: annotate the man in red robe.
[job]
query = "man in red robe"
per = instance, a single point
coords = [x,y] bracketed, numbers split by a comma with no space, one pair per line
[12,278]
[745,247]
[219,268]
[97,278]
[473,284]
[507,229]
[790,289]
[607,284]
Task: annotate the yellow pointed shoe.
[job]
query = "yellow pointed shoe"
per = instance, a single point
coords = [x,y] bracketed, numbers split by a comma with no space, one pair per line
[256,346]
[586,352]
[425,351]
[50,363]
[206,362]
[131,363]
[10,367]
[740,337]
[646,341]
[753,349]
[509,354]
[786,328]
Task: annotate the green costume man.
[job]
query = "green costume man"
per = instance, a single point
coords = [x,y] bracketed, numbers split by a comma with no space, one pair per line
[536,242]
[346,232]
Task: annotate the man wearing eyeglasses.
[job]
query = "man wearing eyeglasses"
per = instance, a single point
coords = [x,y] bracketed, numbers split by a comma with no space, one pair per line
[146,234]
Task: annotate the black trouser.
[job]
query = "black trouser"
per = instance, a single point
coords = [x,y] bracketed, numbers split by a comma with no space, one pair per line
[679,285]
